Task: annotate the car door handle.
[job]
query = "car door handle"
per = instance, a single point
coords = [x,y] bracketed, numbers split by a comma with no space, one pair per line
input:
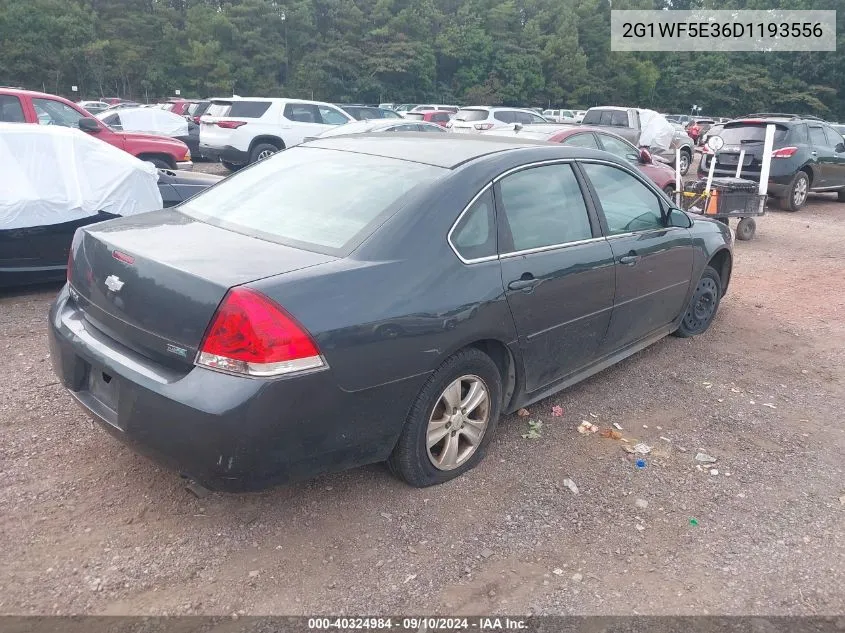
[525,283]
[629,260]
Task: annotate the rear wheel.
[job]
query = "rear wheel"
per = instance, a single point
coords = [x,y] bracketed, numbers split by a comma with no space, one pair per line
[745,229]
[451,422]
[262,151]
[797,194]
[230,166]
[703,305]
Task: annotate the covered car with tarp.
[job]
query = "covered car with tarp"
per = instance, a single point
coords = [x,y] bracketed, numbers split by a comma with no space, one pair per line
[55,179]
[154,121]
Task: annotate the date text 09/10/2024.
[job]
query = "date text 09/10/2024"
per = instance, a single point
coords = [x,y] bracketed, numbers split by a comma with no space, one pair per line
[418,624]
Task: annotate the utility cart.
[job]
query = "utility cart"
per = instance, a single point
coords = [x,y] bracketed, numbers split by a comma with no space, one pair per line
[727,198]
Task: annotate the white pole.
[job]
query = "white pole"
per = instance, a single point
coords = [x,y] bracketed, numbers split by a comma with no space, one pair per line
[710,175]
[678,186]
[739,165]
[768,144]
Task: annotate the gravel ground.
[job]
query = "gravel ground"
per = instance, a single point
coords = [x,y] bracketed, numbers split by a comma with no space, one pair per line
[89,527]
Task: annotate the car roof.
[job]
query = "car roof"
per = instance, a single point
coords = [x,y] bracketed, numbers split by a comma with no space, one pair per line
[31,93]
[442,150]
[611,108]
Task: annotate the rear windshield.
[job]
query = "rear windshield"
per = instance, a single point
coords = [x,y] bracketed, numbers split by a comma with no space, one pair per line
[243,109]
[617,118]
[471,115]
[749,133]
[312,198]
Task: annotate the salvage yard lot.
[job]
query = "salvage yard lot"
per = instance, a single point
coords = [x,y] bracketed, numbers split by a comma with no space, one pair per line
[90,527]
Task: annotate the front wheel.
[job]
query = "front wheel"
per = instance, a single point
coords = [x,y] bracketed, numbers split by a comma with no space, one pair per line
[686,161]
[703,305]
[451,422]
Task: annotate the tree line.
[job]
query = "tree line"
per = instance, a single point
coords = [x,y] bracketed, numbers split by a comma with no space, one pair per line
[509,52]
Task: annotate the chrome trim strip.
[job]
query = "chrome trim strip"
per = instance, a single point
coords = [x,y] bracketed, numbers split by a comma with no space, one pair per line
[551,247]
[552,161]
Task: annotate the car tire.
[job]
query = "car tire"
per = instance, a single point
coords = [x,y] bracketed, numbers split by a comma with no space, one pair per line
[461,448]
[686,161]
[230,166]
[745,229]
[159,163]
[703,304]
[262,151]
[797,193]
[669,190]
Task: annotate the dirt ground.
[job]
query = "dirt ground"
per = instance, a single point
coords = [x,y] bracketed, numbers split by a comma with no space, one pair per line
[89,527]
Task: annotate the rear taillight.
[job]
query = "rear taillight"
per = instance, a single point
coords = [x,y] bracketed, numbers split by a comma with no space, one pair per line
[483,126]
[230,125]
[253,336]
[784,152]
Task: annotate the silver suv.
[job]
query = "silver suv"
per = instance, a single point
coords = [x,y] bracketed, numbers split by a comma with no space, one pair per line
[482,118]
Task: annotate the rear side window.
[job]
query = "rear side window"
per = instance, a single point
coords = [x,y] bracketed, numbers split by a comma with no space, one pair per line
[475,234]
[276,199]
[471,115]
[11,110]
[799,134]
[544,207]
[249,109]
[505,116]
[817,136]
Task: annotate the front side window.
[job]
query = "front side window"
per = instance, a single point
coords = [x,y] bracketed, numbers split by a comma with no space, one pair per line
[302,113]
[627,203]
[475,234]
[276,199]
[619,148]
[581,140]
[544,207]
[330,116]
[52,112]
[11,110]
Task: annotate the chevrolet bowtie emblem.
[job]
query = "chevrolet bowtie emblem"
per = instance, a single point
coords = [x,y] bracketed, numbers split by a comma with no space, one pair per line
[113,283]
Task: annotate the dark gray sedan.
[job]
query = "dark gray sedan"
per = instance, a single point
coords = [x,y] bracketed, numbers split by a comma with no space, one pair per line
[374,298]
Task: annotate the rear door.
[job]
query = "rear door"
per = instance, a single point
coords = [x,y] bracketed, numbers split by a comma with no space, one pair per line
[556,268]
[822,152]
[653,263]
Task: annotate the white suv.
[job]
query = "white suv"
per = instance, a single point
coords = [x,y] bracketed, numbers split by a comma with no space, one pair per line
[482,118]
[239,131]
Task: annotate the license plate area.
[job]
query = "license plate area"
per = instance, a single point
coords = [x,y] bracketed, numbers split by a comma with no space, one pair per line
[103,387]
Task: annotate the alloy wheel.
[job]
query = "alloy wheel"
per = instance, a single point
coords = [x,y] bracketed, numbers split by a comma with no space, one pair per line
[799,194]
[265,154]
[458,422]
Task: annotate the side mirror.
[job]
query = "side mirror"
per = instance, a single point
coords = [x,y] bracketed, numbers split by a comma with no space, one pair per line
[87,124]
[645,156]
[840,147]
[677,218]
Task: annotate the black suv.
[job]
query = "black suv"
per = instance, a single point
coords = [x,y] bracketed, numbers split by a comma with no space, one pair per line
[808,155]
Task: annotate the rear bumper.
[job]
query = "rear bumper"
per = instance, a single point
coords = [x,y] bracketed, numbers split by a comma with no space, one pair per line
[225,432]
[226,154]
[778,182]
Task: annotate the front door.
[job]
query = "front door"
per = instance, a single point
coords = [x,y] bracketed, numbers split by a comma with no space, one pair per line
[653,262]
[557,271]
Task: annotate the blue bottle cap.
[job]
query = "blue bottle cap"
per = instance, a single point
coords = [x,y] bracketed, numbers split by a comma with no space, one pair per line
[641,464]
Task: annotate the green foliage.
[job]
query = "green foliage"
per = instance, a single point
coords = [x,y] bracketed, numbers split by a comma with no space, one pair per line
[515,52]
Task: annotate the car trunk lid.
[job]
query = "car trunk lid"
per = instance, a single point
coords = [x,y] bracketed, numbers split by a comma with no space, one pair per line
[153,282]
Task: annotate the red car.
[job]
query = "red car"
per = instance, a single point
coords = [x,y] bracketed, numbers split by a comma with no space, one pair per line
[180,106]
[440,117]
[25,106]
[698,128]
[659,173]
